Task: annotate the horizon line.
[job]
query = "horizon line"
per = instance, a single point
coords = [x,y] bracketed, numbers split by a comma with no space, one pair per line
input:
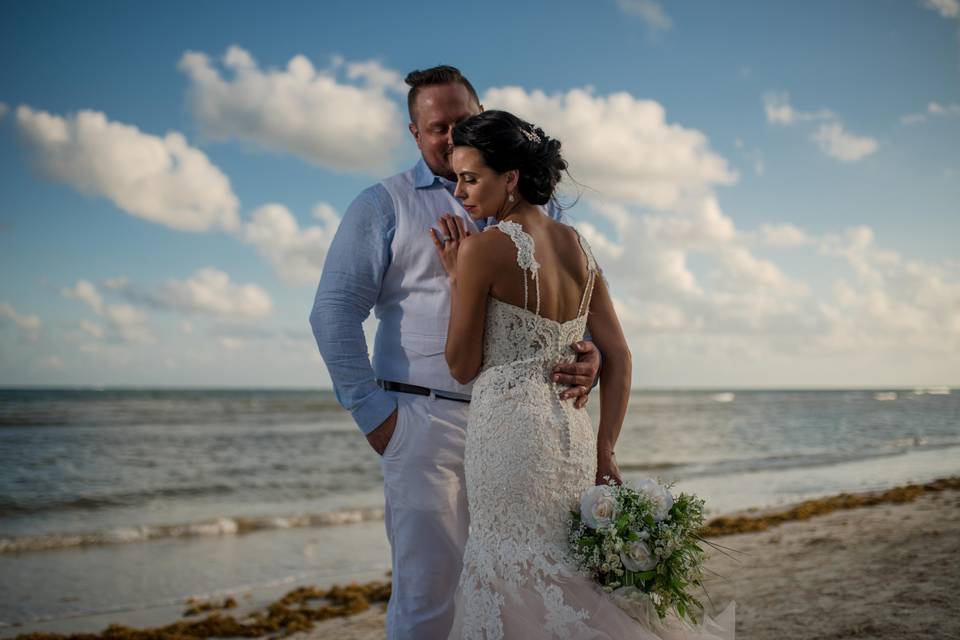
[95,387]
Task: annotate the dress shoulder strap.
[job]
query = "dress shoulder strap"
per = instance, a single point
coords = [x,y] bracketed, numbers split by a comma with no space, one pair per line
[591,262]
[591,274]
[523,241]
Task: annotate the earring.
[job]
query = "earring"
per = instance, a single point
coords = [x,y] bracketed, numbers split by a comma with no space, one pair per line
[510,198]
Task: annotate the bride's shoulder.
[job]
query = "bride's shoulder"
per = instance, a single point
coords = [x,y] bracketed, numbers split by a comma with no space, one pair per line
[564,233]
[488,245]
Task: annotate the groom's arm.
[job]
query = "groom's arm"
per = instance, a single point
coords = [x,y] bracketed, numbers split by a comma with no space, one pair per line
[353,272]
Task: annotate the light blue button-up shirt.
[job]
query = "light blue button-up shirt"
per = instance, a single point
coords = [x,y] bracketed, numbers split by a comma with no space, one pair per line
[353,272]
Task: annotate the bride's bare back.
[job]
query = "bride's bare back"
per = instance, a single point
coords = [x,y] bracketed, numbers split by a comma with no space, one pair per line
[563,272]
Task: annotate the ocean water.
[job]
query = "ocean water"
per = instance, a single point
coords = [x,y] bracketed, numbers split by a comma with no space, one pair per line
[124,500]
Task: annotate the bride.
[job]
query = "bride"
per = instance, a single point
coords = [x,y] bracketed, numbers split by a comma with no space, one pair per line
[521,293]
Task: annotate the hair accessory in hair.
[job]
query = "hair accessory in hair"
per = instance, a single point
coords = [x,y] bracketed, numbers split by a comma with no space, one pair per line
[531,135]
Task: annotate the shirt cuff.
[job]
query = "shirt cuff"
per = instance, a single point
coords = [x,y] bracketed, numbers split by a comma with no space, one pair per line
[374,411]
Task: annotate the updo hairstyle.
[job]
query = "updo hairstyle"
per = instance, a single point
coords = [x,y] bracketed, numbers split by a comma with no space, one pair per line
[506,142]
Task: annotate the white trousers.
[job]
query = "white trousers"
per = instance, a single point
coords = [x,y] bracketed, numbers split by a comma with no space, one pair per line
[426,514]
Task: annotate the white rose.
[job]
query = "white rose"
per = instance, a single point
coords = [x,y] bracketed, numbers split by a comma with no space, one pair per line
[638,557]
[598,507]
[661,498]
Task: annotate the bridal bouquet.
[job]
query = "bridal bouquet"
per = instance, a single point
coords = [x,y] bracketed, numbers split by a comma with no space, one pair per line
[641,545]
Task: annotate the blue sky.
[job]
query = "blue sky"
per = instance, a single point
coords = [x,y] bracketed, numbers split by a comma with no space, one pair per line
[773,188]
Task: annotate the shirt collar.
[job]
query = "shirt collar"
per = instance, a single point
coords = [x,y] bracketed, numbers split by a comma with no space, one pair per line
[423,177]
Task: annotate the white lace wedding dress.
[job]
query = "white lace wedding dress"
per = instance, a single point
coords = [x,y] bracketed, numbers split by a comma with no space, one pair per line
[529,456]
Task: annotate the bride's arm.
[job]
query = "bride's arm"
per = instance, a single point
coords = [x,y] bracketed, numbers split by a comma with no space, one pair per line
[615,377]
[470,282]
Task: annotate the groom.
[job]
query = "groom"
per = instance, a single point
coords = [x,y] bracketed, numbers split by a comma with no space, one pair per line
[412,411]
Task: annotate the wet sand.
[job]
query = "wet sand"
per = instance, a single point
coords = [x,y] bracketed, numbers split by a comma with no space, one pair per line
[883,565]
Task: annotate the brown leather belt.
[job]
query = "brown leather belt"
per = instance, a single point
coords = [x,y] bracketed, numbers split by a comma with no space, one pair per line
[402,387]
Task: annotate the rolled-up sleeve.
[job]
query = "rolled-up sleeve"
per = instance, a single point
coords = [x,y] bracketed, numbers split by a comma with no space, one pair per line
[349,287]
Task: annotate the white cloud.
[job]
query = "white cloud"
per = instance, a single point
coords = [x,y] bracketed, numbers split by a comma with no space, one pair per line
[779,235]
[704,228]
[667,273]
[29,324]
[85,292]
[91,329]
[946,8]
[649,260]
[621,147]
[163,180]
[831,136]
[49,362]
[128,323]
[651,12]
[300,110]
[936,109]
[376,75]
[778,109]
[890,302]
[913,118]
[754,156]
[231,343]
[296,253]
[210,291]
[116,283]
[844,146]
[949,111]
[649,264]
[753,274]
[657,317]
[599,243]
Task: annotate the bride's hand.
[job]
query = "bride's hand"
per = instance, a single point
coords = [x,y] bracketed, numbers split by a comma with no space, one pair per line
[607,468]
[447,241]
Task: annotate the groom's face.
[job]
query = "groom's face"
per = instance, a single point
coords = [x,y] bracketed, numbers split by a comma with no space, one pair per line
[437,110]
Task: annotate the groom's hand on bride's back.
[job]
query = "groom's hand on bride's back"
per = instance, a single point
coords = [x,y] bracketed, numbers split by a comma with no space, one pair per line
[379,438]
[579,376]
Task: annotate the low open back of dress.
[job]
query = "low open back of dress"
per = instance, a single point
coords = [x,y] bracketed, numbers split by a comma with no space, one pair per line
[527,262]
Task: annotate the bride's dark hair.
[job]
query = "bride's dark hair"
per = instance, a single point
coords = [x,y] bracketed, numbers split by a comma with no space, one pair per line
[506,142]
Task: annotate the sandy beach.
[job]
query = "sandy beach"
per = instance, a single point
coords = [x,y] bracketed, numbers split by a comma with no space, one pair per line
[886,571]
[882,565]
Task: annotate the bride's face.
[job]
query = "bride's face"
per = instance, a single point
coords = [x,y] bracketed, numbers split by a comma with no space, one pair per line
[481,190]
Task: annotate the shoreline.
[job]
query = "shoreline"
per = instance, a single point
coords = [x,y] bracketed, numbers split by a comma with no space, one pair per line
[823,525]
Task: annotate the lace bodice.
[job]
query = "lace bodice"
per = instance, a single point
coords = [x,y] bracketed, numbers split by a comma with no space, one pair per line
[514,334]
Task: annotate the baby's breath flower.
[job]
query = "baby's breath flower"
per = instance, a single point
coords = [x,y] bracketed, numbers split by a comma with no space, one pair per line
[655,520]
